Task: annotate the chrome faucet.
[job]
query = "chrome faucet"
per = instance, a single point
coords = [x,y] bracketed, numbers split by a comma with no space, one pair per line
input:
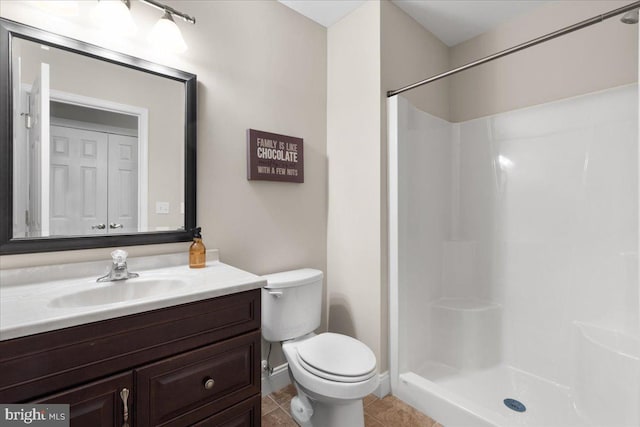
[118,268]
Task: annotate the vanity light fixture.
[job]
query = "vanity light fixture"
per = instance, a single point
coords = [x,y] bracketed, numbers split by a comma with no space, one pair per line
[169,9]
[114,15]
[165,34]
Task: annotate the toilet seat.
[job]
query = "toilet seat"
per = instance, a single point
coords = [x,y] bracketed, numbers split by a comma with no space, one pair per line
[337,357]
[320,388]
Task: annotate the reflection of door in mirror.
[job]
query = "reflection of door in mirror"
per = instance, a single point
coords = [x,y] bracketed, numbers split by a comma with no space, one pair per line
[123,184]
[94,171]
[83,166]
[78,181]
[88,168]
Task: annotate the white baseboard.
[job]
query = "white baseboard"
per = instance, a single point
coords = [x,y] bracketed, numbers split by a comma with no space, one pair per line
[384,387]
[279,379]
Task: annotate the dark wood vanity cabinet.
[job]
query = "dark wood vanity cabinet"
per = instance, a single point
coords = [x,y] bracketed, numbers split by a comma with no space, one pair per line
[191,364]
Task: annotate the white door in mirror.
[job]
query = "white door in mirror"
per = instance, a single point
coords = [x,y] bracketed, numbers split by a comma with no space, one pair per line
[123,184]
[78,181]
[88,168]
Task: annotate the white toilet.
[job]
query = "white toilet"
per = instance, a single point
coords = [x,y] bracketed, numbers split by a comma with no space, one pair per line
[332,372]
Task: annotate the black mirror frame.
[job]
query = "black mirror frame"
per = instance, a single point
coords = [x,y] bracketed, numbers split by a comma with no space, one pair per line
[9,245]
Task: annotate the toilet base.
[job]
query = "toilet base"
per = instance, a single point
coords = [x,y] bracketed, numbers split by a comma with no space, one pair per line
[333,413]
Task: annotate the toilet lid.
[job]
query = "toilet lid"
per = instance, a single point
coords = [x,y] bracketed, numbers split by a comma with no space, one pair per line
[337,357]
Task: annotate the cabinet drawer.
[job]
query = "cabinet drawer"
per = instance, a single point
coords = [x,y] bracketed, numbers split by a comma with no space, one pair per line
[244,414]
[173,392]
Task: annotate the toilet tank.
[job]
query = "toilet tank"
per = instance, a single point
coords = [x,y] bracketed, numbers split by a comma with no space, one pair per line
[291,304]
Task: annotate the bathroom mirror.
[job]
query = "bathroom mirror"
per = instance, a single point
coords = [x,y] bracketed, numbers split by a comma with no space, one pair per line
[97,147]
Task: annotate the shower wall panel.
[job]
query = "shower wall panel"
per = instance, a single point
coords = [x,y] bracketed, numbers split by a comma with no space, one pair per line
[549,195]
[424,217]
[534,211]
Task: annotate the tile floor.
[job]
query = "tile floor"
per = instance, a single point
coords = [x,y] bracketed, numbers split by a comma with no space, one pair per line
[385,412]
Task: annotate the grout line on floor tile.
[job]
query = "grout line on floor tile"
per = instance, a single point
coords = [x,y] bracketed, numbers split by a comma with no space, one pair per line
[275,405]
[286,408]
[376,419]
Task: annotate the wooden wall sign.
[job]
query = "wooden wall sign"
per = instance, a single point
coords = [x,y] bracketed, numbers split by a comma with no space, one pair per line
[274,157]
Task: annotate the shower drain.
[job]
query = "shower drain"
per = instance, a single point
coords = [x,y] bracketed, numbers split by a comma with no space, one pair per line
[515,405]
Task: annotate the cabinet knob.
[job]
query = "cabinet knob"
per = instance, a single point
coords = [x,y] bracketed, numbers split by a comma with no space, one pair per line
[209,383]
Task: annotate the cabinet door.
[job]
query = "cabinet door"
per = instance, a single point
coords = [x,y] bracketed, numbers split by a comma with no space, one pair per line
[98,404]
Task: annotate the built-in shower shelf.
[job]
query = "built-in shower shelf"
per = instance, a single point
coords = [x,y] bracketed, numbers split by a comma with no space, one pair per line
[613,340]
[604,360]
[465,332]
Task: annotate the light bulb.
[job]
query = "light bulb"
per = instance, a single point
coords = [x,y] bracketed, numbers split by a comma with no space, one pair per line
[114,15]
[165,35]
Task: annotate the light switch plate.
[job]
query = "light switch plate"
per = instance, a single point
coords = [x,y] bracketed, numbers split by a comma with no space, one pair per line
[162,207]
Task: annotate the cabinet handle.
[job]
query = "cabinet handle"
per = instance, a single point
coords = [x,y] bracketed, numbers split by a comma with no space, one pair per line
[114,225]
[209,383]
[124,395]
[98,227]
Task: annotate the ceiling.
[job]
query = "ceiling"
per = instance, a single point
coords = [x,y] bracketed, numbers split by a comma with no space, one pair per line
[324,12]
[452,21]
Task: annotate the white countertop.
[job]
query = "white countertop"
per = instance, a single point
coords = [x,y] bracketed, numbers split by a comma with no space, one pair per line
[27,308]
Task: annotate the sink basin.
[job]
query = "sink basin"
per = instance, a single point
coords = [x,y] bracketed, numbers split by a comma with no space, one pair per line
[116,292]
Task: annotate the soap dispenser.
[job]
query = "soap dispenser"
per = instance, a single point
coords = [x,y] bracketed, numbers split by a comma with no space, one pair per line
[197,251]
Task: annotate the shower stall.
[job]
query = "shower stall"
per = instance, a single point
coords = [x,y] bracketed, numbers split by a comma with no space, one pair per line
[514,288]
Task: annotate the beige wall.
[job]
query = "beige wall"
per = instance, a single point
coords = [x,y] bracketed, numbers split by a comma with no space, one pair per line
[585,61]
[353,151]
[411,53]
[259,65]
[365,50]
